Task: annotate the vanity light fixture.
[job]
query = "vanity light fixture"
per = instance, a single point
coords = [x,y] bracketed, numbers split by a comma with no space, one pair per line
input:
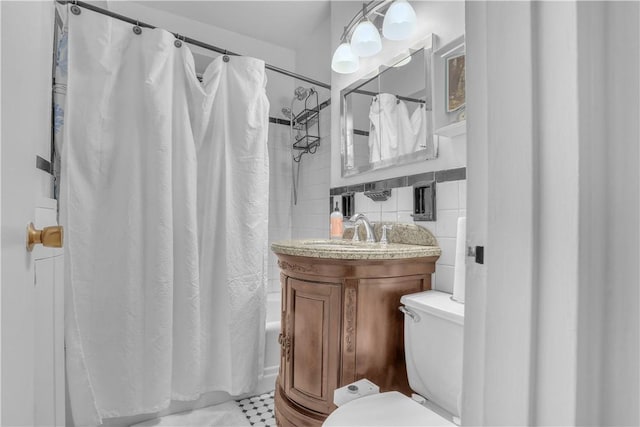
[399,24]
[344,61]
[399,21]
[366,38]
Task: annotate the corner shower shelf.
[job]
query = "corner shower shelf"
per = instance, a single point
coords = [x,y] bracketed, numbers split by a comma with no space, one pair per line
[306,123]
[306,116]
[307,143]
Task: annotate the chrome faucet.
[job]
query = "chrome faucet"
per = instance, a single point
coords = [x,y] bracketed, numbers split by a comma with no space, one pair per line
[367,226]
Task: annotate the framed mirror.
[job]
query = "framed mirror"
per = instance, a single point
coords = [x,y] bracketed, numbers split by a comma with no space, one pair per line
[387,118]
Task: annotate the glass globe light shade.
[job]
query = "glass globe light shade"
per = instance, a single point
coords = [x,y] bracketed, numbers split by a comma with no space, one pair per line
[399,21]
[365,40]
[344,61]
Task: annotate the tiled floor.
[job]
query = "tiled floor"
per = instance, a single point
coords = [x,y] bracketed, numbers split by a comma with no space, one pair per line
[259,409]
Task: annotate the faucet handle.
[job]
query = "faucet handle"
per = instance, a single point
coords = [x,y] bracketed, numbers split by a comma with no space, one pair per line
[356,233]
[383,239]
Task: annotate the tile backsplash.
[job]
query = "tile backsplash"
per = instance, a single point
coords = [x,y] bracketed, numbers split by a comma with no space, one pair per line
[451,197]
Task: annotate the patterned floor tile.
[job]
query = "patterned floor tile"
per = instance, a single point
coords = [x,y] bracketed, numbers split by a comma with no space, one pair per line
[259,409]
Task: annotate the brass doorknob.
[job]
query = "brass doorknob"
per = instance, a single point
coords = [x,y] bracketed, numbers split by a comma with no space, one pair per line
[51,237]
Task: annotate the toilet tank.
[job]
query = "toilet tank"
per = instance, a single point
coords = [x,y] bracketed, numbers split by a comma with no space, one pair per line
[433,347]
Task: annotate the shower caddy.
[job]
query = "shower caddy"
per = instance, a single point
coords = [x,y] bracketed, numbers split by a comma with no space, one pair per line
[306,123]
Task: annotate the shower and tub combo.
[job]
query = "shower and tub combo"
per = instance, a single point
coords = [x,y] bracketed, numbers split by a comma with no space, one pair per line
[272,348]
[176,261]
[304,134]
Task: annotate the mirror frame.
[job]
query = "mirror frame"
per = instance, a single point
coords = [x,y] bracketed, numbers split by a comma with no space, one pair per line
[346,117]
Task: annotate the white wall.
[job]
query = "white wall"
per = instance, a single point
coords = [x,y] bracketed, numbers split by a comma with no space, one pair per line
[310,216]
[446,21]
[442,18]
[313,55]
[451,203]
[279,196]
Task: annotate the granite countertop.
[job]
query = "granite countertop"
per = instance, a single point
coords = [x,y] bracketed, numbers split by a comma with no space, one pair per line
[405,241]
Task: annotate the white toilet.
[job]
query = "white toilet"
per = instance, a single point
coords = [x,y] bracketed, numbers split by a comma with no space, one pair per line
[433,328]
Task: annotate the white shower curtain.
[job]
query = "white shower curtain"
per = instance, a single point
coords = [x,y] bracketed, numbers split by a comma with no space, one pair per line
[233,209]
[142,328]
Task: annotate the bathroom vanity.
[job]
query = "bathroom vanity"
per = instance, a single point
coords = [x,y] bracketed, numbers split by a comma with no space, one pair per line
[340,317]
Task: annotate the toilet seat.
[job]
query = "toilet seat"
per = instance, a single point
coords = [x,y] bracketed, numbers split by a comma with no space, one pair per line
[385,409]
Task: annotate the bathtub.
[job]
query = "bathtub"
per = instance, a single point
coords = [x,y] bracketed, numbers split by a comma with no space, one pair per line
[271,346]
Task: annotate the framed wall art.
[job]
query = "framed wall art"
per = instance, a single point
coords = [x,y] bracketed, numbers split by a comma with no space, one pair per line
[449,98]
[455,83]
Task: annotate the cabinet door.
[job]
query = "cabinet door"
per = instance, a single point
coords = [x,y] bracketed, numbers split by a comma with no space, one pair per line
[379,352]
[313,331]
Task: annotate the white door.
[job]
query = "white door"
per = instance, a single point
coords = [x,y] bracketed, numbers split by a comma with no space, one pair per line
[500,300]
[477,217]
[31,352]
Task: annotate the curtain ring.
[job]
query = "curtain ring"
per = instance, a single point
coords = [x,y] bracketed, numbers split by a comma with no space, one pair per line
[75,9]
[225,58]
[136,29]
[177,42]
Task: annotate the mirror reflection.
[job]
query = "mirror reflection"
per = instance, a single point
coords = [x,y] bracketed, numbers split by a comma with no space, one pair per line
[387,120]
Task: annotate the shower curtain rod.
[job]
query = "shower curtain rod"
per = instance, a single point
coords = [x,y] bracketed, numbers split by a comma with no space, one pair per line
[191,41]
[369,93]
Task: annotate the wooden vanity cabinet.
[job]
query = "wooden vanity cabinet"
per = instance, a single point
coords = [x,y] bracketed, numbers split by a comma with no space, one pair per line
[341,323]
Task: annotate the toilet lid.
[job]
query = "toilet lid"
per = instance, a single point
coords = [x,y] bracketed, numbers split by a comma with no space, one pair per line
[384,409]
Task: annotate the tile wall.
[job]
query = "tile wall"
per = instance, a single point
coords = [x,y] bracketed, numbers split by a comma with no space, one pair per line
[451,202]
[310,215]
[279,196]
